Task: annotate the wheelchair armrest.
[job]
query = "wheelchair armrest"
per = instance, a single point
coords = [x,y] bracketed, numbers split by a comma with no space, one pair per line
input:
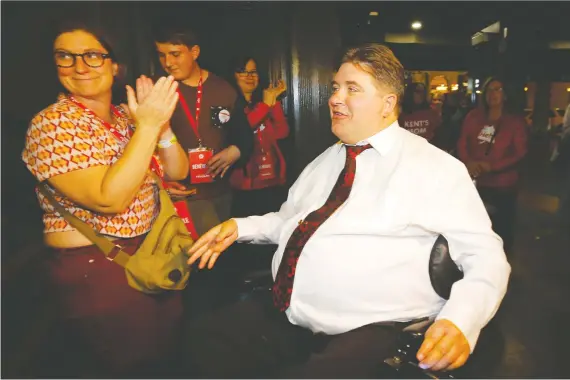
[419,327]
[481,364]
[404,360]
[263,275]
[257,280]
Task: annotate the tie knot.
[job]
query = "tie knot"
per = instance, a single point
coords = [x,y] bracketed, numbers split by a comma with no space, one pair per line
[352,151]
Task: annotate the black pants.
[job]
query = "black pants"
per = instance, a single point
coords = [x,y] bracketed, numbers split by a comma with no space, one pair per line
[250,339]
[504,204]
[258,202]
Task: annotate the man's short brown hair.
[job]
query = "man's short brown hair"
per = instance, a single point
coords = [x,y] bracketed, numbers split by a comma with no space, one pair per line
[380,62]
[176,36]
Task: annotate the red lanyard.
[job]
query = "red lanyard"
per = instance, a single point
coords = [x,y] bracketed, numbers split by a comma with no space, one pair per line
[193,121]
[259,137]
[153,162]
[107,125]
[248,109]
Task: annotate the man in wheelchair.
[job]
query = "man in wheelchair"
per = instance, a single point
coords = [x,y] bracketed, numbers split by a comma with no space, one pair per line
[382,231]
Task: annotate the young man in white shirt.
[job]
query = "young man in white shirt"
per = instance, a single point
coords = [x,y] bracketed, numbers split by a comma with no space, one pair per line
[353,266]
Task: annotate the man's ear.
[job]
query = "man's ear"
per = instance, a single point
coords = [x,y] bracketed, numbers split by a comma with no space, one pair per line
[195,52]
[115,68]
[390,105]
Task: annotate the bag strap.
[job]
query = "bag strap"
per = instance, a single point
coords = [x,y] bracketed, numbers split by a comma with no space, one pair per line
[105,245]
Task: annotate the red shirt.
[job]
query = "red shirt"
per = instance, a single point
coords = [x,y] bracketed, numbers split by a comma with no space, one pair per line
[509,146]
[422,122]
[269,125]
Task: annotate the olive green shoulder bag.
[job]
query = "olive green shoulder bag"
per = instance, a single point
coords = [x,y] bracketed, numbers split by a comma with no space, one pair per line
[160,262]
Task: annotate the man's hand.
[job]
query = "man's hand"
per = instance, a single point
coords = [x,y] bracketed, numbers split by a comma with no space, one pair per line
[221,162]
[210,245]
[444,348]
[177,189]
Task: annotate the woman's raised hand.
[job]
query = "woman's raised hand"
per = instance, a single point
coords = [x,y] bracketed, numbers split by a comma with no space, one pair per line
[153,105]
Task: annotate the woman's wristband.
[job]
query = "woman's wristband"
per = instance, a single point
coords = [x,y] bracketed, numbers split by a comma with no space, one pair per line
[164,144]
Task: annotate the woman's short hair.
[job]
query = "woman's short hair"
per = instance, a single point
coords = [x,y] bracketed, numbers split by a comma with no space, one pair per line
[108,42]
[96,31]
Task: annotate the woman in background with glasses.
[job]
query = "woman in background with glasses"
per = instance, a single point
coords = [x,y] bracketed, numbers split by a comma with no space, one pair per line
[258,187]
[492,144]
[96,160]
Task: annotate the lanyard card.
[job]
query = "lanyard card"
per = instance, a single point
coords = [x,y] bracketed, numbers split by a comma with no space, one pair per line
[265,162]
[198,159]
[265,166]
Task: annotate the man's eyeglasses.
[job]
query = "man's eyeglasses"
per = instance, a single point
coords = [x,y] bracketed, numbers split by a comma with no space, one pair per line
[245,74]
[93,59]
[498,89]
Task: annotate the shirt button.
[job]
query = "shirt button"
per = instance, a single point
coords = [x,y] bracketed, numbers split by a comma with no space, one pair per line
[92,260]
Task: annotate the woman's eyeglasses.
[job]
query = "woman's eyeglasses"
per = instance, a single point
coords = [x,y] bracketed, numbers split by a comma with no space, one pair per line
[93,59]
[245,73]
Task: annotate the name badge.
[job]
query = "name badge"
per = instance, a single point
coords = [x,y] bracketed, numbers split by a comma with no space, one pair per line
[266,167]
[198,159]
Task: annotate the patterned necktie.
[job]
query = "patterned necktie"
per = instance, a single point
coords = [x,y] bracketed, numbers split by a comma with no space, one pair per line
[283,286]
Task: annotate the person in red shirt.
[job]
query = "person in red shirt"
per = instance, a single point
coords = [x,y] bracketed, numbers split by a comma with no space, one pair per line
[417,116]
[258,187]
[492,144]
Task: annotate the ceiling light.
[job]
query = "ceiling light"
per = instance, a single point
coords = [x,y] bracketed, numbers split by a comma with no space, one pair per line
[416,25]
[373,13]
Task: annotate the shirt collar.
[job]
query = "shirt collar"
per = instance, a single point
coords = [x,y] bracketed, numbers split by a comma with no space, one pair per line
[382,141]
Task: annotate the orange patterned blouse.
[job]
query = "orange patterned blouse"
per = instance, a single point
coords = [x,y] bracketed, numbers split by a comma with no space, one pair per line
[63,138]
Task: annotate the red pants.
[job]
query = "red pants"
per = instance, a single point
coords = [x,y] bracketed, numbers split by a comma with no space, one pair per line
[124,329]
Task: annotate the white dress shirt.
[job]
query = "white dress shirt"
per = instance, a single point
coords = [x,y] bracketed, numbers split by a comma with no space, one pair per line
[369,261]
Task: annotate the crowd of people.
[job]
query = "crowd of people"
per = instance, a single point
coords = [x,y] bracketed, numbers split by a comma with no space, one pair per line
[353,233]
